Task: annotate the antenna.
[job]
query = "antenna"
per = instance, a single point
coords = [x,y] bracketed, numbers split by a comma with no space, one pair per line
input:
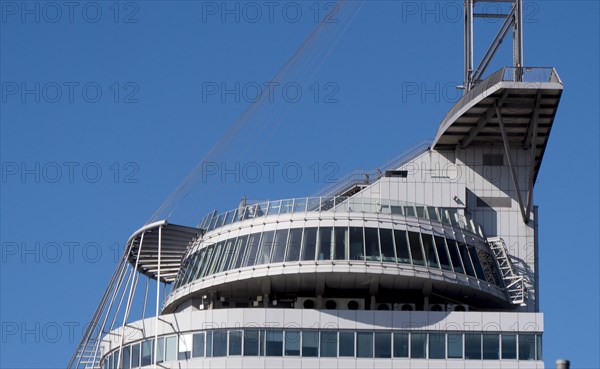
[512,19]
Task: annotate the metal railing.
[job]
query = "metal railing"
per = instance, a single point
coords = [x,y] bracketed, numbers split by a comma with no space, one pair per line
[339,204]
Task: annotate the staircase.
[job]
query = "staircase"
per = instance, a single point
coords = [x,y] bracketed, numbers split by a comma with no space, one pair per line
[515,284]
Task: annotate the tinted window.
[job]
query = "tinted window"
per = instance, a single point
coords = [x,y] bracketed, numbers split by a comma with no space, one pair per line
[455,256]
[266,244]
[383,344]
[274,343]
[440,245]
[329,344]
[235,342]
[279,246]
[364,344]
[309,243]
[455,345]
[347,344]
[473,346]
[219,343]
[415,248]
[356,243]
[466,259]
[310,343]
[437,346]
[252,249]
[341,237]
[372,244]
[387,245]
[241,249]
[325,243]
[418,345]
[509,346]
[135,355]
[430,250]
[292,343]
[491,347]
[402,246]
[126,361]
[251,339]
[198,345]
[526,347]
[400,344]
[293,249]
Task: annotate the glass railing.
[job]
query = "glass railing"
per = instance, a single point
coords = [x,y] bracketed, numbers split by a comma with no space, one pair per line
[252,210]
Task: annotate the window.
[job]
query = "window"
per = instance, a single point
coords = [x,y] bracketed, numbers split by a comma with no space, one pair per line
[346,344]
[356,243]
[341,237]
[279,246]
[509,346]
[477,264]
[228,249]
[235,343]
[429,248]
[147,348]
[415,248]
[198,345]
[171,348]
[207,260]
[126,362]
[538,341]
[329,344]
[294,243]
[493,159]
[383,344]
[401,246]
[325,243]
[241,250]
[491,347]
[251,249]
[455,256]
[409,211]
[526,347]
[135,355]
[216,259]
[219,344]
[372,244]
[387,245]
[364,344]
[418,345]
[455,346]
[265,248]
[400,344]
[251,340]
[432,213]
[440,245]
[292,343]
[466,259]
[274,343]
[160,350]
[309,244]
[310,343]
[209,344]
[437,346]
[473,346]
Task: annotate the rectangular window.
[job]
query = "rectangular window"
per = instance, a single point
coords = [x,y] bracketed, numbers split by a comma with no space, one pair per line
[252,250]
[160,350]
[209,344]
[126,362]
[455,345]
[241,251]
[418,345]
[310,343]
[274,343]
[294,243]
[346,344]
[477,264]
[251,340]
[466,259]
[383,344]
[437,346]
[325,243]
[171,348]
[309,244]
[387,245]
[198,345]
[409,211]
[207,261]
[432,214]
[216,259]
[372,244]
[147,349]
[356,243]
[455,256]
[329,344]
[491,346]
[493,159]
[538,341]
[509,346]
[228,249]
[421,212]
[219,346]
[266,243]
[279,246]
[429,248]
[364,344]
[292,343]
[473,346]
[400,344]
[135,355]
[415,248]
[440,245]
[401,246]
[235,343]
[526,347]
[341,237]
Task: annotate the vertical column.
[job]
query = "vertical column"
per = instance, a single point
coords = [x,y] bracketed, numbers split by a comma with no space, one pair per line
[468,43]
[518,34]
[157,295]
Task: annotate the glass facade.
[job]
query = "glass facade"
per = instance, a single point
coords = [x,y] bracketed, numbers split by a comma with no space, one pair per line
[328,344]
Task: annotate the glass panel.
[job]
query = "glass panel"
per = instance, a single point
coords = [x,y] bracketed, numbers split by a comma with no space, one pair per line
[198,345]
[135,355]
[526,347]
[184,348]
[274,344]
[429,248]
[400,344]
[126,361]
[341,240]
[473,346]
[209,344]
[216,259]
[292,343]
[235,343]
[266,243]
[147,348]
[394,209]
[325,243]
[421,212]
[252,249]
[346,344]
[538,341]
[227,250]
[279,246]
[440,246]
[383,344]
[309,244]
[160,350]
[477,264]
[387,245]
[229,217]
[455,345]
[455,256]
[207,260]
[401,246]
[356,243]
[274,207]
[286,206]
[491,347]
[329,344]
[310,343]
[509,346]
[364,344]
[300,205]
[466,259]
[409,211]
[219,346]
[251,338]
[415,248]
[418,345]
[437,346]
[432,214]
[372,244]
[294,243]
[171,348]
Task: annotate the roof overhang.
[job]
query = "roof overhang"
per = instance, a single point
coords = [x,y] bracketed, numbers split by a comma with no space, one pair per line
[171,239]
[525,97]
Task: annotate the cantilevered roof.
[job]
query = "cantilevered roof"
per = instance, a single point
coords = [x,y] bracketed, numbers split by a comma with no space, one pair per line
[527,99]
[143,248]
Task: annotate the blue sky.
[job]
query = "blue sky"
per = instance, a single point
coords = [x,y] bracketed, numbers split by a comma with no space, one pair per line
[106,107]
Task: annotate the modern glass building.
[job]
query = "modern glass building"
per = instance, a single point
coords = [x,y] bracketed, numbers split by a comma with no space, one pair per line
[427,262]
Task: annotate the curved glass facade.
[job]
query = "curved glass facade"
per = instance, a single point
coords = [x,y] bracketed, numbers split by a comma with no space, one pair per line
[368,244]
